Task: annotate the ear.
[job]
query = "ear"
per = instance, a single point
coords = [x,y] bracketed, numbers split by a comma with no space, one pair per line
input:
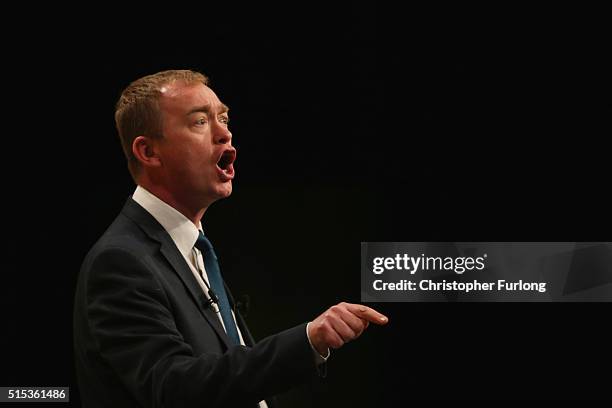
[145,151]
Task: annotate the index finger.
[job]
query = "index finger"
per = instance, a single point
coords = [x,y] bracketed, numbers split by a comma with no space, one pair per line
[367,313]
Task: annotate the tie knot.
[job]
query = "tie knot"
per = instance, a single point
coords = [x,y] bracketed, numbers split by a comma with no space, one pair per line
[203,244]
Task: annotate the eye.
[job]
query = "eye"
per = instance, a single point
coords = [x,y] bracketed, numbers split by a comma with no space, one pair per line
[201,121]
[224,119]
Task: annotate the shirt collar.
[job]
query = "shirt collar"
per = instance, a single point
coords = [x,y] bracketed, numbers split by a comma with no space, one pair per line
[182,231]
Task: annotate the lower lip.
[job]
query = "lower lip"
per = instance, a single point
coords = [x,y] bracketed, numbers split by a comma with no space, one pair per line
[226,175]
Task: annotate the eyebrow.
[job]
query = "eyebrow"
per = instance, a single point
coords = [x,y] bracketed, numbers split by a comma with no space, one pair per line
[223,108]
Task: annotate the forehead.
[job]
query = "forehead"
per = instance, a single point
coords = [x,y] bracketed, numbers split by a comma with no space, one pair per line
[180,98]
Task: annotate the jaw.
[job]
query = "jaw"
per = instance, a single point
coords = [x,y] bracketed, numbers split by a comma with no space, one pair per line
[220,190]
[226,189]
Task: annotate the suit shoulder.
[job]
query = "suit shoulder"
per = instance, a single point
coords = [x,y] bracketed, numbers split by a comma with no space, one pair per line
[123,236]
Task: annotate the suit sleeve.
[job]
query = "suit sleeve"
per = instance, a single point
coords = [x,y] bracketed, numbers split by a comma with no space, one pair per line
[133,328]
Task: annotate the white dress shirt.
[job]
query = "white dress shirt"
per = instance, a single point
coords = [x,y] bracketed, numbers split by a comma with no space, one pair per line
[184,234]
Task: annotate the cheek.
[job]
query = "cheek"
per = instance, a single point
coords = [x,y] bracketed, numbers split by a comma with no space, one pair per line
[190,161]
[197,153]
[187,158]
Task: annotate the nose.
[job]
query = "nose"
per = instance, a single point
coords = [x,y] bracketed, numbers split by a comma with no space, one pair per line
[222,135]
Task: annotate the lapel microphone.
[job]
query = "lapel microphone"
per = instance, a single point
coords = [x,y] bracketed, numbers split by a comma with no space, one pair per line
[242,305]
[212,298]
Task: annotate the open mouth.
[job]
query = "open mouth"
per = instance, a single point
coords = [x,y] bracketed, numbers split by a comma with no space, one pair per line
[225,164]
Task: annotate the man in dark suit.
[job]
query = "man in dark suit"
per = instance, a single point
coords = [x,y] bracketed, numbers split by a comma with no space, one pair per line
[154,323]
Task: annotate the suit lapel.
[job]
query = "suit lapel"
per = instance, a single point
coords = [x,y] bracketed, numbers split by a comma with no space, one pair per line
[246,334]
[174,257]
[169,250]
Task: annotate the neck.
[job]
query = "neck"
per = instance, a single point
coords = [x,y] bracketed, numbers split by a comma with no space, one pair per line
[194,213]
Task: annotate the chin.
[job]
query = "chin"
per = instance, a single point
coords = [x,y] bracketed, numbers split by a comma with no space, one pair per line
[225,190]
[216,192]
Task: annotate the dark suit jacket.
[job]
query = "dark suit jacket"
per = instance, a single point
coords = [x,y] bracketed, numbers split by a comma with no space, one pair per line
[143,336]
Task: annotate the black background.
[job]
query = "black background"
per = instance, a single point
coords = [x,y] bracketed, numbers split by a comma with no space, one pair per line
[353,124]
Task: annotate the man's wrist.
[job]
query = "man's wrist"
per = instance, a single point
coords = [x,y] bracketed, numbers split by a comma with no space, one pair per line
[319,358]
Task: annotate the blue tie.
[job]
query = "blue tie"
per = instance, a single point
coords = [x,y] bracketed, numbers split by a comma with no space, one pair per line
[216,284]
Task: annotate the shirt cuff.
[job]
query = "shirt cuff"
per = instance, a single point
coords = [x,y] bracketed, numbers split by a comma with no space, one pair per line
[319,359]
